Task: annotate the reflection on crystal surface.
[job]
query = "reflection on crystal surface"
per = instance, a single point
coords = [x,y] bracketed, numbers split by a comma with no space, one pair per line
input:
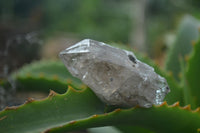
[116,76]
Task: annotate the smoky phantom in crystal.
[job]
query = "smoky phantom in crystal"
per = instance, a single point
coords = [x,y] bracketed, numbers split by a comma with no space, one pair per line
[116,76]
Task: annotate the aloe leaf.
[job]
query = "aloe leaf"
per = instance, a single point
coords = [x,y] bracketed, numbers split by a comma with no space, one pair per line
[81,109]
[188,99]
[192,73]
[48,68]
[41,84]
[45,75]
[57,109]
[187,32]
[163,119]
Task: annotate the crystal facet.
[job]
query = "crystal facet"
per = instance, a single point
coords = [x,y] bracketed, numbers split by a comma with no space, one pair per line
[116,76]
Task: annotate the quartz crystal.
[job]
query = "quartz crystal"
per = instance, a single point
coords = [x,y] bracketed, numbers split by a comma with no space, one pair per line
[116,76]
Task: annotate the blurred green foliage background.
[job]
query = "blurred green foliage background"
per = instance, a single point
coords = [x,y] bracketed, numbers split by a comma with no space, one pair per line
[146,25]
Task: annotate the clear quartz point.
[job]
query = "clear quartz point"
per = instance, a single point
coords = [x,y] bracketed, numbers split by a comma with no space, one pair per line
[116,76]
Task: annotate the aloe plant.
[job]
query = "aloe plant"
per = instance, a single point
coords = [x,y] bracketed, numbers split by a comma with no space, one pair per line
[192,72]
[78,108]
[188,33]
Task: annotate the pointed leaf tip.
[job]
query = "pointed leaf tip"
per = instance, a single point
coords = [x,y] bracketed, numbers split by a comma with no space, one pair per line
[29,100]
[193,43]
[94,116]
[72,122]
[197,110]
[52,93]
[41,75]
[3,117]
[70,88]
[137,106]
[187,107]
[55,77]
[28,74]
[163,104]
[11,108]
[117,110]
[69,81]
[176,104]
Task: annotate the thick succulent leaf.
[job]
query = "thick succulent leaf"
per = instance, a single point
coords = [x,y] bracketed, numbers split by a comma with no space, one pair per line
[45,75]
[41,84]
[187,32]
[45,67]
[77,110]
[188,98]
[192,73]
[56,110]
[163,119]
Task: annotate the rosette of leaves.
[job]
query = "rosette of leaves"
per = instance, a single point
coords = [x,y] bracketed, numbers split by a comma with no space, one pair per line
[79,109]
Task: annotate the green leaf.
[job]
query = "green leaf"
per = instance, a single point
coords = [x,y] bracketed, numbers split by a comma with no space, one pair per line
[56,110]
[187,32]
[45,75]
[41,84]
[76,110]
[192,73]
[163,119]
[186,90]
